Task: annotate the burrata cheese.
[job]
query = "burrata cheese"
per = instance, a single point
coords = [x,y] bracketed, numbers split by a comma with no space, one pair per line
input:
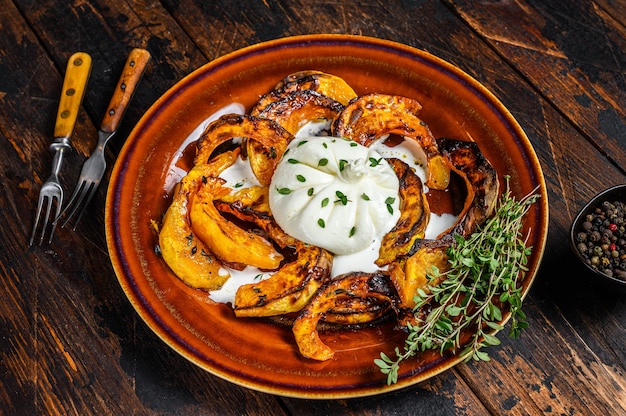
[334,193]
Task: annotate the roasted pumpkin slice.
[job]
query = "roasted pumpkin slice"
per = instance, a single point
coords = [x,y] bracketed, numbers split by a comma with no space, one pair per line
[369,117]
[467,159]
[329,85]
[248,204]
[290,288]
[298,108]
[372,288]
[416,272]
[272,137]
[186,255]
[225,239]
[357,311]
[252,205]
[414,216]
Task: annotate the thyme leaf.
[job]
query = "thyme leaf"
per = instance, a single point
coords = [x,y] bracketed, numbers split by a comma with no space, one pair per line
[283,191]
[389,201]
[341,198]
[374,162]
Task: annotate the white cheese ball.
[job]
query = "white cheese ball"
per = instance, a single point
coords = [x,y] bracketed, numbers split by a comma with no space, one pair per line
[334,193]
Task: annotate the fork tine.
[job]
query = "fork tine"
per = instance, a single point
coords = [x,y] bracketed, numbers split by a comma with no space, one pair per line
[49,201]
[56,214]
[37,218]
[74,203]
[92,191]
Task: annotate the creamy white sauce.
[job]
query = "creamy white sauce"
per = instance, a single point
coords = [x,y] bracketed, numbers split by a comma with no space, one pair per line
[360,261]
[239,175]
[237,278]
[175,173]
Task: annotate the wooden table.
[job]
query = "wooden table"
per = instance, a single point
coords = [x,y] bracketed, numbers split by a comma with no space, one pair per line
[71,343]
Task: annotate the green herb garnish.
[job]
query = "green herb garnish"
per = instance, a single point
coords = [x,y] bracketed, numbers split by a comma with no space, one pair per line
[389,202]
[485,275]
[341,198]
[283,191]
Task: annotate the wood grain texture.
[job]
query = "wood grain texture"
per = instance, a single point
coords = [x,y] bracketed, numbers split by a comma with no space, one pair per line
[70,342]
[571,51]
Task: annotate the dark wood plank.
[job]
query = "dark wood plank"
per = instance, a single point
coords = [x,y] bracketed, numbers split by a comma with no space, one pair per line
[572,52]
[613,8]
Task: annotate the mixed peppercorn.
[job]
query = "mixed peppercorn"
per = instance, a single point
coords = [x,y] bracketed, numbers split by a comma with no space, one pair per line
[601,239]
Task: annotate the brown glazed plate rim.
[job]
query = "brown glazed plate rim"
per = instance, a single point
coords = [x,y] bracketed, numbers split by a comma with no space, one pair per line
[258,354]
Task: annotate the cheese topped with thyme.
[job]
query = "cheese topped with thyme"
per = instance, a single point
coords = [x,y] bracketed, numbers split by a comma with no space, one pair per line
[334,193]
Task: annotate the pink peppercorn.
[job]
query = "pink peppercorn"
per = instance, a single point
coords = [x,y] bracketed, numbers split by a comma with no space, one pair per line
[613,227]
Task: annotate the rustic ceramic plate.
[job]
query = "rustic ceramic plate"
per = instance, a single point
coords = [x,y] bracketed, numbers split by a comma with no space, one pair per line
[256,353]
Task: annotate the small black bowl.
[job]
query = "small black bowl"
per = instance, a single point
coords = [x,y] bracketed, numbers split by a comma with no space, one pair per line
[615,193]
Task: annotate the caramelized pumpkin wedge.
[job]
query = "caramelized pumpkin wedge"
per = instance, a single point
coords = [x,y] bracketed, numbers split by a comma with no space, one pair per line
[225,239]
[188,257]
[272,137]
[416,271]
[414,216]
[372,288]
[329,85]
[298,108]
[357,311]
[467,159]
[290,288]
[371,116]
[252,205]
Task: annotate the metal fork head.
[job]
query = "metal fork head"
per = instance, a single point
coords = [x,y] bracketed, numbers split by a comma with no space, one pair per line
[88,182]
[51,194]
[83,192]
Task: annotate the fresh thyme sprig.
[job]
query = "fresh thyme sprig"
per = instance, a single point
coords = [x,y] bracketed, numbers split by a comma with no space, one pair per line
[484,275]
